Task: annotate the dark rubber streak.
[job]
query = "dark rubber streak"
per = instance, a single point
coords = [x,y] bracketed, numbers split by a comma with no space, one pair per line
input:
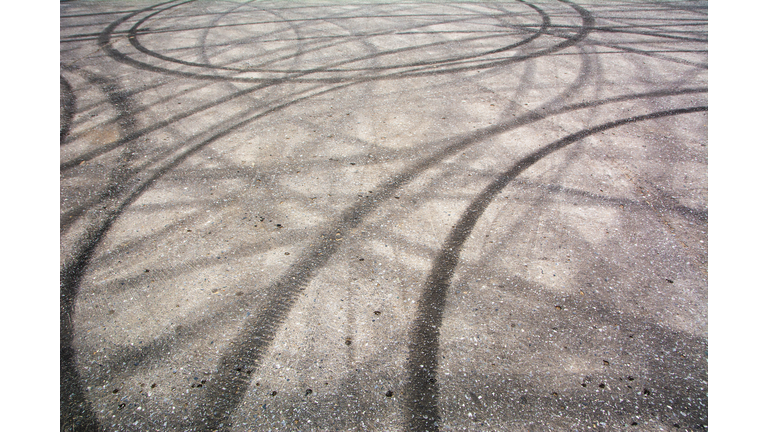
[228,386]
[281,306]
[75,409]
[74,406]
[134,33]
[422,391]
[68,103]
[124,106]
[68,106]
[297,76]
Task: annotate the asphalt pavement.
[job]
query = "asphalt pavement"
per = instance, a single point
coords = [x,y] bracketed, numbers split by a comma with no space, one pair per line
[384,216]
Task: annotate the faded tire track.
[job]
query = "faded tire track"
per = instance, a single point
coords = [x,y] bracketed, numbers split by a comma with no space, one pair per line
[227,394]
[421,400]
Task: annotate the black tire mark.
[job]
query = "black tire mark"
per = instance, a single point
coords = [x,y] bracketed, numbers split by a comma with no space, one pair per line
[134,33]
[624,29]
[699,10]
[652,54]
[68,107]
[157,126]
[422,412]
[131,355]
[127,360]
[76,409]
[229,384]
[587,20]
[206,30]
[249,352]
[660,371]
[124,106]
[96,14]
[666,203]
[304,48]
[652,34]
[525,119]
[119,99]
[213,24]
[570,40]
[127,93]
[104,41]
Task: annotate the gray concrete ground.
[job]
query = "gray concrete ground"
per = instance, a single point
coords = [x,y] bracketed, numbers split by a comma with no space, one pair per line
[366,215]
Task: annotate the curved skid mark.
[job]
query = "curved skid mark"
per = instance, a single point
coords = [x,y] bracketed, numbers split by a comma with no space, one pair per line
[280,303]
[230,383]
[626,29]
[647,33]
[157,126]
[206,30]
[652,54]
[250,344]
[421,401]
[133,37]
[68,102]
[75,406]
[78,409]
[124,106]
[422,68]
[693,215]
[75,409]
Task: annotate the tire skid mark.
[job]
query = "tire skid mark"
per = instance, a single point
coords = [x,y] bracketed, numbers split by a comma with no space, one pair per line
[74,406]
[105,43]
[135,31]
[85,108]
[348,38]
[247,348]
[133,37]
[157,126]
[625,29]
[570,40]
[653,34]
[73,273]
[230,383]
[666,203]
[68,108]
[77,409]
[423,389]
[423,70]
[279,299]
[652,54]
[214,23]
[698,10]
[124,107]
[119,99]
[95,14]
[305,46]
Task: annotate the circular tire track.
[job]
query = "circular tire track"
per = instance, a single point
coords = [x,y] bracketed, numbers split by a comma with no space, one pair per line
[335,75]
[281,306]
[422,394]
[136,31]
[249,346]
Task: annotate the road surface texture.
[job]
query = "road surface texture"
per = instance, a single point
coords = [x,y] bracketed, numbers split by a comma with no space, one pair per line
[384,216]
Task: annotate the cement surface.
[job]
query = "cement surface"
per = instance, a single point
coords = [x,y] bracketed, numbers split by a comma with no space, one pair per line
[386,216]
